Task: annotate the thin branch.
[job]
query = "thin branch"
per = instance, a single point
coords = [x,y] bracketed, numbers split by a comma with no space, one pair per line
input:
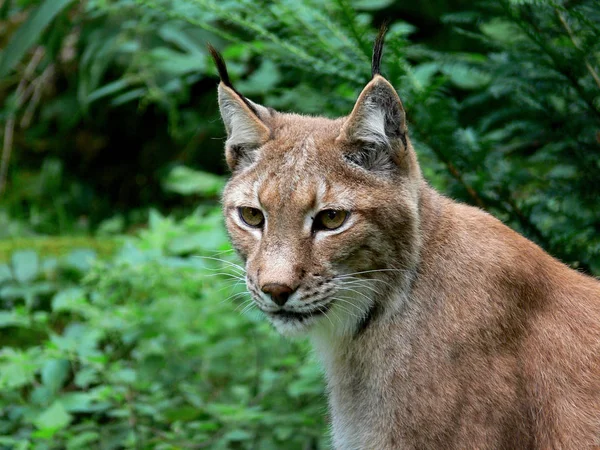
[38,86]
[509,206]
[9,128]
[456,174]
[542,240]
[558,66]
[566,26]
[472,192]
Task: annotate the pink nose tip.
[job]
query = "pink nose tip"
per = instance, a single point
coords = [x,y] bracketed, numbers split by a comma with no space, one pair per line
[279,292]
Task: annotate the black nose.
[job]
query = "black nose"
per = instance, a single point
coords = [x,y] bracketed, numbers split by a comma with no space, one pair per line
[279,292]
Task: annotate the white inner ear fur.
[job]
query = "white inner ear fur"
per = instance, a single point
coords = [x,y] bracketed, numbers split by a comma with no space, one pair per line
[377,105]
[370,124]
[242,125]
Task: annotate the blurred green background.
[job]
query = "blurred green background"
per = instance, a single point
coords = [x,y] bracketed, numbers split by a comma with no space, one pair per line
[123,317]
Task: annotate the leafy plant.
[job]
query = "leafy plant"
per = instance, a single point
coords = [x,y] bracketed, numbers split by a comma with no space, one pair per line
[513,129]
[148,349]
[108,107]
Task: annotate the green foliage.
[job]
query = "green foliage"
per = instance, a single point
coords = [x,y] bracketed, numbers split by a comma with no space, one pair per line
[533,154]
[518,135]
[56,245]
[148,349]
[28,34]
[112,341]
[186,181]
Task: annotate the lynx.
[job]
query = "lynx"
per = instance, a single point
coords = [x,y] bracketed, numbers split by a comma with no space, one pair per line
[438,327]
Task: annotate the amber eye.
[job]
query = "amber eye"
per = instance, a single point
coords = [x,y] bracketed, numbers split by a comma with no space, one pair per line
[329,219]
[252,217]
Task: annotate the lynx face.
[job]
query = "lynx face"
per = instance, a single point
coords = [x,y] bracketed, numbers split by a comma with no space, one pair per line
[323,212]
[312,225]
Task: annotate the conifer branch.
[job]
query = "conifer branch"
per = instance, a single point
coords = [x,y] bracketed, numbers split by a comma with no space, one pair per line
[537,38]
[456,174]
[348,12]
[577,45]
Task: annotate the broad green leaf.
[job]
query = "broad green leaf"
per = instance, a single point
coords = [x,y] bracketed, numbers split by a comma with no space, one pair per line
[13,319]
[237,435]
[85,402]
[5,273]
[174,34]
[25,265]
[123,376]
[134,94]
[27,291]
[203,241]
[55,373]
[402,29]
[466,77]
[81,259]
[182,413]
[28,33]
[369,5]
[85,377]
[83,441]
[423,73]
[50,268]
[111,226]
[186,181]
[263,80]
[72,299]
[502,31]
[177,63]
[79,338]
[54,418]
[108,89]
[17,367]
[42,396]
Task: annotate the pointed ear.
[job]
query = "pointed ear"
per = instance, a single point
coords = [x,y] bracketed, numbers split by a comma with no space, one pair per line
[246,122]
[245,125]
[376,128]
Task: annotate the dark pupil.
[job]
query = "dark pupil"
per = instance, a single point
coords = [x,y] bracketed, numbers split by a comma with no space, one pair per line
[253,213]
[331,214]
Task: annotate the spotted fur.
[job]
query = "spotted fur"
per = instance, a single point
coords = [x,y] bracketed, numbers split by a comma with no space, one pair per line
[438,326]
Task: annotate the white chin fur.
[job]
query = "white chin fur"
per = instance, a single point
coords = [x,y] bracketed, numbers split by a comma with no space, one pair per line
[293,328]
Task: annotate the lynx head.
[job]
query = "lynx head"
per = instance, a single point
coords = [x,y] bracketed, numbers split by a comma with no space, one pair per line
[323,212]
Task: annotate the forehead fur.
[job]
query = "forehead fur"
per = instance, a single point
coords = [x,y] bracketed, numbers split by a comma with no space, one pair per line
[303,165]
[294,133]
[299,146]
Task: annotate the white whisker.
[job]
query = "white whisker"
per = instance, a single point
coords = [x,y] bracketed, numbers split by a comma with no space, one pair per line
[224,261]
[357,292]
[366,280]
[248,307]
[349,312]
[225,274]
[358,283]
[234,296]
[373,271]
[324,311]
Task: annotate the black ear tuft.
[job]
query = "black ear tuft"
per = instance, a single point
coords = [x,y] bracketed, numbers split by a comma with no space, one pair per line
[224,76]
[378,50]
[221,66]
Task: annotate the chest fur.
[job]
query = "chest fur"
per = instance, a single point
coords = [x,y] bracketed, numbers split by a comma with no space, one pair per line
[411,391]
[361,379]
